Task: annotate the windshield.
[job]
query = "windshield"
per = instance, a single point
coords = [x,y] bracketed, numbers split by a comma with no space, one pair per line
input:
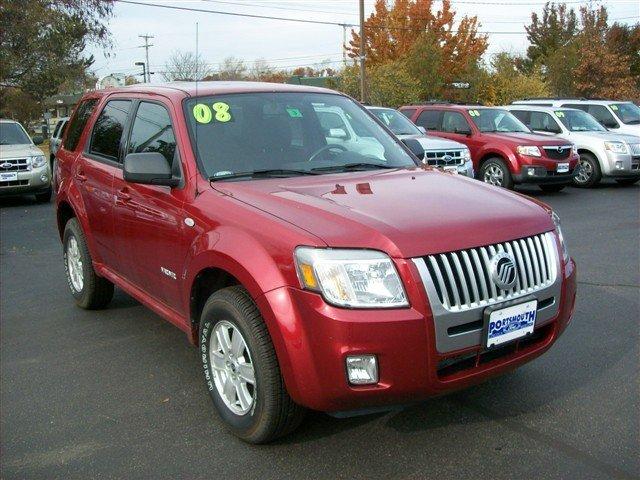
[287,134]
[495,120]
[13,134]
[579,121]
[628,113]
[396,121]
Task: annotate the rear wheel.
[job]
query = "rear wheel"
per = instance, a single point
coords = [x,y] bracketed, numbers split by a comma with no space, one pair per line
[89,290]
[625,182]
[241,369]
[551,188]
[589,173]
[495,172]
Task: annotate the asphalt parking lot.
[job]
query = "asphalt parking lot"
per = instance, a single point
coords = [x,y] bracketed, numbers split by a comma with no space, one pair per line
[118,393]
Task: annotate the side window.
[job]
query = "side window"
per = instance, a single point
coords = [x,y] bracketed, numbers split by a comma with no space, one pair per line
[78,122]
[454,122]
[57,128]
[152,131]
[543,122]
[524,116]
[603,115]
[107,132]
[408,112]
[429,119]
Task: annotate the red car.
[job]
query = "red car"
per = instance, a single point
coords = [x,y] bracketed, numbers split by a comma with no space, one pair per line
[310,271]
[504,151]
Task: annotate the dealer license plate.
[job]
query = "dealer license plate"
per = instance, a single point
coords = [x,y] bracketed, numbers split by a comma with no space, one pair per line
[450,169]
[8,177]
[510,323]
[563,168]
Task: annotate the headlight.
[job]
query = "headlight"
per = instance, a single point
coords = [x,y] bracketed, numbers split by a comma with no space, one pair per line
[466,155]
[351,278]
[616,147]
[38,161]
[556,222]
[530,151]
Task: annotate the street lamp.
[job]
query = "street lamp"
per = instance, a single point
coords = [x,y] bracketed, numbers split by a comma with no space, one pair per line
[144,70]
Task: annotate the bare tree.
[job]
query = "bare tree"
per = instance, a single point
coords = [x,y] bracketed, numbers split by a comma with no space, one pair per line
[232,68]
[185,66]
[260,69]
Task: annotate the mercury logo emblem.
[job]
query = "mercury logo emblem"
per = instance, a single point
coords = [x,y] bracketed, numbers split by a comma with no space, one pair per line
[560,149]
[503,270]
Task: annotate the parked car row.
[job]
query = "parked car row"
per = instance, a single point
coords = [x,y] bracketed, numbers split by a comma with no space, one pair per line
[529,143]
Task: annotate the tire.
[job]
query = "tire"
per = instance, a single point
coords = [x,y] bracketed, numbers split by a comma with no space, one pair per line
[267,411]
[90,291]
[590,173]
[625,182]
[44,197]
[551,188]
[495,172]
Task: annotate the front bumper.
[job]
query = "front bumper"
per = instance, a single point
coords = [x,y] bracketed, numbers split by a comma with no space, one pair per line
[621,165]
[542,170]
[33,181]
[312,340]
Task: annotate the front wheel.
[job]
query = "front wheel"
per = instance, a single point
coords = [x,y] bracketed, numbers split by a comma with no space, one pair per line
[241,369]
[589,172]
[89,290]
[625,182]
[495,172]
[551,188]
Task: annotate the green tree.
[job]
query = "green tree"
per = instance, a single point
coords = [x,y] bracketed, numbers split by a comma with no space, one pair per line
[390,84]
[42,41]
[504,83]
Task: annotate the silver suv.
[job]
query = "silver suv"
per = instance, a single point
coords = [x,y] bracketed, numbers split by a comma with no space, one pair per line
[619,117]
[445,154]
[602,153]
[23,166]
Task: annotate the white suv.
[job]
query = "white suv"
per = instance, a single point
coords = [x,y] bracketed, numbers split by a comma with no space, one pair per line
[602,153]
[620,117]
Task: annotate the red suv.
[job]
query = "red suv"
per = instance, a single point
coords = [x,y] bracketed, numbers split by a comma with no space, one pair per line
[291,256]
[504,151]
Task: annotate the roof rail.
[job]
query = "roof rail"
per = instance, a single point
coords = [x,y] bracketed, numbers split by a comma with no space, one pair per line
[448,102]
[567,98]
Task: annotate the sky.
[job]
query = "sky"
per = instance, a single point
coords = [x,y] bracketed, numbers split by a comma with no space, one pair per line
[287,44]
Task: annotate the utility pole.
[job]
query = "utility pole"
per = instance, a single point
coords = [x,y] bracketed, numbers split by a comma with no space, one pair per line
[146,48]
[363,80]
[344,44]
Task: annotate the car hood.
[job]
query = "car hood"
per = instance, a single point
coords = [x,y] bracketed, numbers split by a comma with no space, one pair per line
[23,150]
[608,136]
[405,213]
[523,138]
[434,143]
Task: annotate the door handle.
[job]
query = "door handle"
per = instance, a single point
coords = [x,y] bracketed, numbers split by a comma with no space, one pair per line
[80,176]
[123,195]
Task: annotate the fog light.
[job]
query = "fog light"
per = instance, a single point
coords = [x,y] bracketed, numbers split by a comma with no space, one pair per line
[362,369]
[44,178]
[531,171]
[619,165]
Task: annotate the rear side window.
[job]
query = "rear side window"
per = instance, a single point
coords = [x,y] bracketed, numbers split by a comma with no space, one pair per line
[523,115]
[429,119]
[78,122]
[454,122]
[107,132]
[408,112]
[600,112]
[152,131]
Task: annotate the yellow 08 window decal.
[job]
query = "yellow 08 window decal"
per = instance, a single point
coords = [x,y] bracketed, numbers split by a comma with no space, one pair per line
[203,113]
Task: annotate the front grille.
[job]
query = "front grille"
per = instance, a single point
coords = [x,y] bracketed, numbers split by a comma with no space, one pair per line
[15,165]
[462,279]
[441,158]
[558,153]
[14,183]
[635,148]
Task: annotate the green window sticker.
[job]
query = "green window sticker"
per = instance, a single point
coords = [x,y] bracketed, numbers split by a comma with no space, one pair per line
[614,107]
[559,114]
[294,112]
[202,113]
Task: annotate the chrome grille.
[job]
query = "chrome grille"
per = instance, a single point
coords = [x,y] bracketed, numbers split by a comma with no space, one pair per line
[558,152]
[15,165]
[635,148]
[462,279]
[442,158]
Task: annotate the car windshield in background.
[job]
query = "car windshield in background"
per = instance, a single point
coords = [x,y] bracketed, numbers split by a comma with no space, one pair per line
[629,113]
[396,121]
[13,134]
[256,135]
[494,120]
[579,121]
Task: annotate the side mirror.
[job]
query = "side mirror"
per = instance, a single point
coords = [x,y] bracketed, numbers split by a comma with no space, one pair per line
[37,139]
[422,129]
[337,133]
[150,168]
[416,148]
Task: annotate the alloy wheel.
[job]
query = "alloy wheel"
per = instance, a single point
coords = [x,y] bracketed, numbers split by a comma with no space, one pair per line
[233,372]
[494,175]
[74,264]
[585,171]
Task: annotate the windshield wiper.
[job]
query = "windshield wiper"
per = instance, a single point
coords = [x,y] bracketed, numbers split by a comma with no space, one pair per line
[352,166]
[273,172]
